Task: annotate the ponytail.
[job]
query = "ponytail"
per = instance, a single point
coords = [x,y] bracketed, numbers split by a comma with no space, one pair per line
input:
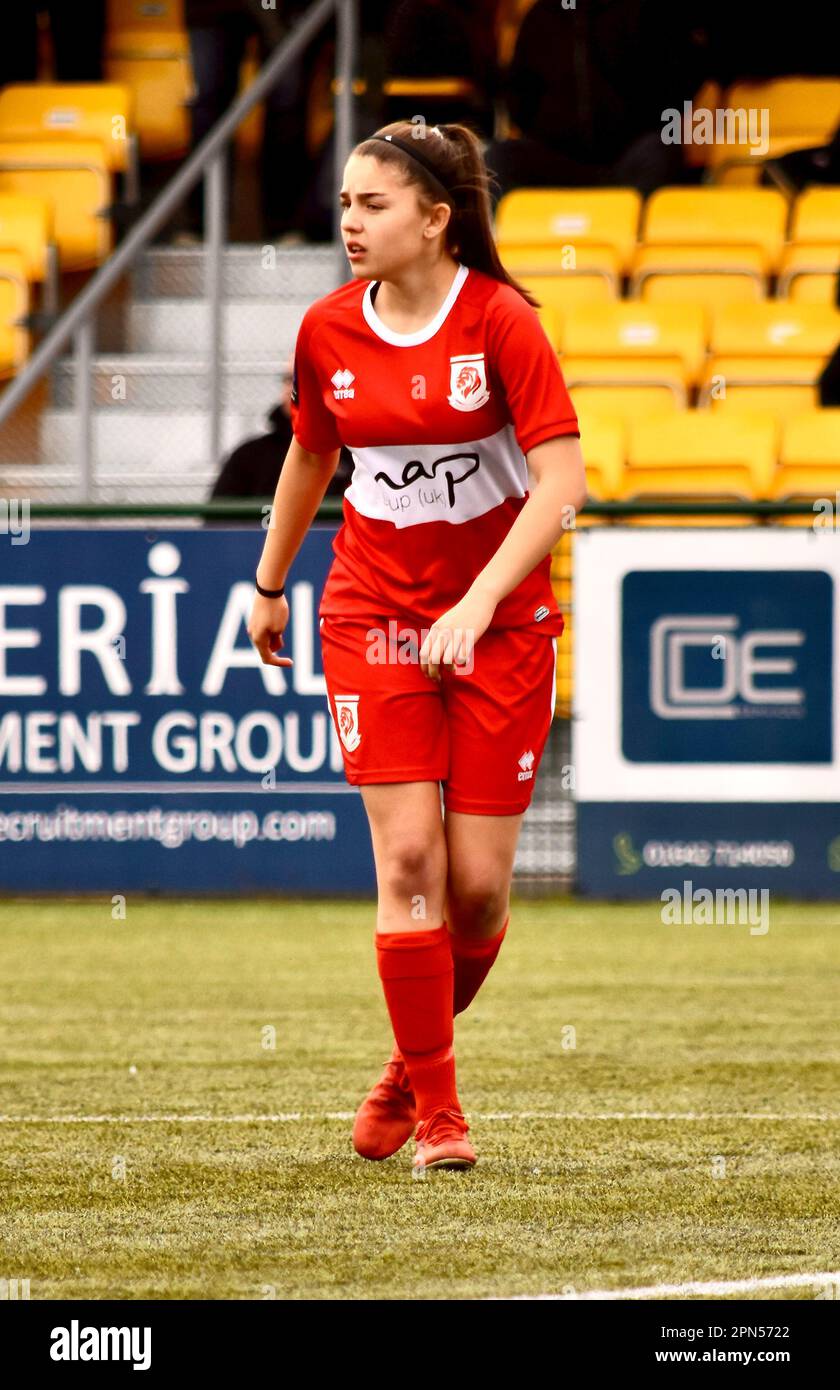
[458,161]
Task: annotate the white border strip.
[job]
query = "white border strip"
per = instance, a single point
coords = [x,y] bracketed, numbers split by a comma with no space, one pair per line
[283,1117]
[714,1288]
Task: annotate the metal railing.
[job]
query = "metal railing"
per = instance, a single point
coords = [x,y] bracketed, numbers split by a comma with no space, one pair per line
[248,508]
[208,159]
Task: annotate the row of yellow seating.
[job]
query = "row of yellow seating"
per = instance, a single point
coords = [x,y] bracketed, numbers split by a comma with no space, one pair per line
[699,456]
[700,243]
[67,143]
[703,454]
[638,359]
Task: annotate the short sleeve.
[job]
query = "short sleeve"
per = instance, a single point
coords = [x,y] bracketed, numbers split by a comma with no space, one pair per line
[313,423]
[526,364]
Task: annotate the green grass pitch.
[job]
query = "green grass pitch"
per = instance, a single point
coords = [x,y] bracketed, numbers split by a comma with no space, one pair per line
[593,1012]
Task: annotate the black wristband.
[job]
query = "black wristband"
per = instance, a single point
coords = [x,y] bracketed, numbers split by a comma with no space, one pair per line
[269,593]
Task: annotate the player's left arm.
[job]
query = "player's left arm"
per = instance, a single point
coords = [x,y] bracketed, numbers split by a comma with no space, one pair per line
[560,492]
[558,469]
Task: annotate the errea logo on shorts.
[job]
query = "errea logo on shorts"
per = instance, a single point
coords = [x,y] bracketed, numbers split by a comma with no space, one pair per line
[341,381]
[347,714]
[526,762]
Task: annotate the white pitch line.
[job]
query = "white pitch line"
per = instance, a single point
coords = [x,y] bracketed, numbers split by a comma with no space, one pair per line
[714,1288]
[780,1117]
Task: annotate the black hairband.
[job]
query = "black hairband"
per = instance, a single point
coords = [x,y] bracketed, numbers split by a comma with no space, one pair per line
[421,159]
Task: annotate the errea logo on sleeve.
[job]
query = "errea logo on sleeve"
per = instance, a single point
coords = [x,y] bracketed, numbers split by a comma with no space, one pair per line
[341,380]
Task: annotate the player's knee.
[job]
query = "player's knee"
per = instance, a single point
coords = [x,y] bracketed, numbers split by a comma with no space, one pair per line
[475,903]
[413,869]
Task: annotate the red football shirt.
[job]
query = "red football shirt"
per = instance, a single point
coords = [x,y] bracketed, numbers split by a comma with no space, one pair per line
[438,423]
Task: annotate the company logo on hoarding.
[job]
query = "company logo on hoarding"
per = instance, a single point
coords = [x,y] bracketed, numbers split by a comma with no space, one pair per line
[727,666]
[741,659]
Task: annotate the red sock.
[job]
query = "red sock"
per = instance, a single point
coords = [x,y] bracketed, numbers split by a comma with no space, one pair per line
[472,960]
[416,971]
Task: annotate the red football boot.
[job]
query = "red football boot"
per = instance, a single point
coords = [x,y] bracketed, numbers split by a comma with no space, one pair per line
[442,1142]
[387,1116]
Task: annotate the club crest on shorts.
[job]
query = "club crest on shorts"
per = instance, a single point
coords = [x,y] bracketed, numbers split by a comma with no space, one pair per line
[347,712]
[468,387]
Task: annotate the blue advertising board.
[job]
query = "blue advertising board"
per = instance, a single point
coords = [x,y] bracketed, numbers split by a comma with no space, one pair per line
[727,666]
[706,733]
[143,743]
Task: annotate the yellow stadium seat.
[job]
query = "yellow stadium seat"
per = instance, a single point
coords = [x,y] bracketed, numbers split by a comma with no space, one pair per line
[777,398]
[816,216]
[602,443]
[743,221]
[550,258]
[631,341]
[809,457]
[552,322]
[141,16]
[561,569]
[582,219]
[801,112]
[807,106]
[564,292]
[14,309]
[778,386]
[776,329]
[147,49]
[623,402]
[26,226]
[699,275]
[71,111]
[808,273]
[700,454]
[74,178]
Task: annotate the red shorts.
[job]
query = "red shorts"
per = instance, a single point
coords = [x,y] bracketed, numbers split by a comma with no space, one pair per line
[480,732]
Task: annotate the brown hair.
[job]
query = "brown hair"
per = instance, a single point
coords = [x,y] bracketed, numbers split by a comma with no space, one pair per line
[458,161]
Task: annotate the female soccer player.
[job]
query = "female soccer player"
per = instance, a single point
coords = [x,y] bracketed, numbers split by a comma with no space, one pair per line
[438,623]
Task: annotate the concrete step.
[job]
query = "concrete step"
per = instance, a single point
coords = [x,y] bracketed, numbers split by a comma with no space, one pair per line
[296,275]
[182,326]
[150,382]
[54,484]
[162,444]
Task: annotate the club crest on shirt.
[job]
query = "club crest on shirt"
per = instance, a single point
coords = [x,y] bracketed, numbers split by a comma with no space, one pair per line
[468,387]
[347,713]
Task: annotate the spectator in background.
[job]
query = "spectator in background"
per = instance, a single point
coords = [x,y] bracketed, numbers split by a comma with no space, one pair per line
[254,466]
[587,87]
[218,33]
[442,39]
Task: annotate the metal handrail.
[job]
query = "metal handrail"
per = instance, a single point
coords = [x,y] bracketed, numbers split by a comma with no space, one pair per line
[207,159]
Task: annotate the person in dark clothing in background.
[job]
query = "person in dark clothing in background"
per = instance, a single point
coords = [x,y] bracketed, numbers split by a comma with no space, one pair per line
[254,466]
[587,87]
[218,33]
[442,39]
[77,31]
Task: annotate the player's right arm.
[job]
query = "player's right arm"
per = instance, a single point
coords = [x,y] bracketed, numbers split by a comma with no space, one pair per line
[300,491]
